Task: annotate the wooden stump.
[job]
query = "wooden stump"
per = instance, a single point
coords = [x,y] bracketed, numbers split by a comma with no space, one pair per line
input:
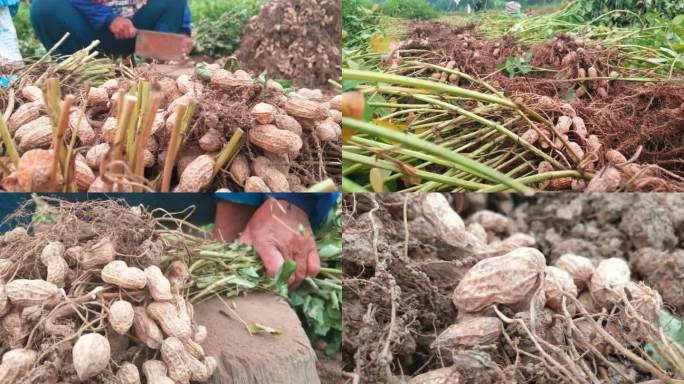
[257,359]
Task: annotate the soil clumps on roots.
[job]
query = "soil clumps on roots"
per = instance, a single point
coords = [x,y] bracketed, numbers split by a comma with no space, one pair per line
[297,40]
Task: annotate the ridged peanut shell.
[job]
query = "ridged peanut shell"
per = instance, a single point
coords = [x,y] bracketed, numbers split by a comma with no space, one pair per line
[32,93]
[24,292]
[158,284]
[305,109]
[91,355]
[580,268]
[197,175]
[610,276]
[563,124]
[615,157]
[531,136]
[15,364]
[25,114]
[4,300]
[508,279]
[128,374]
[607,179]
[52,256]
[491,221]
[447,222]
[336,103]
[118,273]
[98,97]
[448,375]
[288,123]
[156,372]
[111,85]
[274,179]
[270,138]
[256,184]
[85,132]
[96,155]
[327,130]
[172,321]
[579,127]
[146,328]
[101,253]
[264,113]
[239,169]
[211,141]
[182,366]
[83,173]
[35,134]
[121,316]
[557,283]
[469,333]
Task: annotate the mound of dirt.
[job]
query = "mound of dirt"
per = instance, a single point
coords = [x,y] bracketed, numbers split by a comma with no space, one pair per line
[297,40]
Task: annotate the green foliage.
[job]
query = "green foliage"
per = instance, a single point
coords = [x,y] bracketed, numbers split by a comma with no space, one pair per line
[360,20]
[409,9]
[218,25]
[29,44]
[627,12]
[673,329]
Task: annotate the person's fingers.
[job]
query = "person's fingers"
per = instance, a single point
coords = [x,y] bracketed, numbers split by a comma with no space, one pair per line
[300,272]
[313,263]
[270,256]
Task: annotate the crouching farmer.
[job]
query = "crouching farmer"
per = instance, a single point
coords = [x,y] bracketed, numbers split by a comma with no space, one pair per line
[114,22]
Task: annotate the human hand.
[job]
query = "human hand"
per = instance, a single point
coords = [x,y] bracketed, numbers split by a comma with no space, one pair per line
[187,45]
[123,28]
[281,231]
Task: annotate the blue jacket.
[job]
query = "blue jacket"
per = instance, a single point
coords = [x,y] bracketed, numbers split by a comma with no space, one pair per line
[13,5]
[100,15]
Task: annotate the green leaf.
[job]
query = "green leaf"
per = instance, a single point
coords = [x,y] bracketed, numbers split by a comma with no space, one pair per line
[256,328]
[350,85]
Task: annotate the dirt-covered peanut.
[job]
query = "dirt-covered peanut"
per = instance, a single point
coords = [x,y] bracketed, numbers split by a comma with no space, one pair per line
[118,273]
[305,109]
[211,141]
[264,113]
[100,253]
[288,123]
[26,292]
[25,114]
[491,221]
[197,175]
[239,169]
[327,130]
[15,364]
[146,328]
[608,179]
[558,283]
[563,124]
[158,284]
[611,276]
[509,279]
[448,375]
[274,179]
[35,134]
[98,97]
[183,367]
[336,103]
[469,333]
[580,268]
[270,138]
[171,320]
[91,355]
[156,372]
[121,316]
[96,155]
[128,374]
[447,222]
[52,257]
[32,93]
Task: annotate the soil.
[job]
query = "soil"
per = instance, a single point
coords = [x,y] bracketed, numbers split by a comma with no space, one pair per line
[635,118]
[257,359]
[417,282]
[297,40]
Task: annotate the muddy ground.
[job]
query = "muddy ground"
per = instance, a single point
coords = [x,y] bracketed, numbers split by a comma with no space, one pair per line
[414,274]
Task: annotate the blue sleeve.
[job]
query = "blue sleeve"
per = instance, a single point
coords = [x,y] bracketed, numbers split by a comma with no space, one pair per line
[98,15]
[316,205]
[187,21]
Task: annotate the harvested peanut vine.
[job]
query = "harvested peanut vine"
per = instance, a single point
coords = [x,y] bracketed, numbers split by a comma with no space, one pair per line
[83,300]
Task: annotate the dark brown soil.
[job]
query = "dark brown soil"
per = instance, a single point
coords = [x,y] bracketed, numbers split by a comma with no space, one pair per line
[296,40]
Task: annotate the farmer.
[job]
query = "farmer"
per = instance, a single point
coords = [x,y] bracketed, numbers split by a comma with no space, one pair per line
[278,225]
[113,22]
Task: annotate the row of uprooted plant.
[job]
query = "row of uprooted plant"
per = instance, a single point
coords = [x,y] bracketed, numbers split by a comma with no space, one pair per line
[431,298]
[147,132]
[83,300]
[563,113]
